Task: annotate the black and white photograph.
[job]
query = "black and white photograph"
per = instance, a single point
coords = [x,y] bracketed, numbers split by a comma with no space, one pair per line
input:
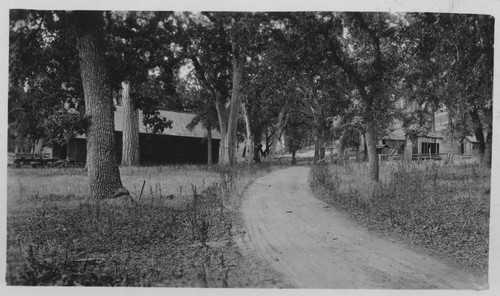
[222,148]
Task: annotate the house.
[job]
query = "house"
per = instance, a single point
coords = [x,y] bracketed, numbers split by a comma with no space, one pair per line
[174,145]
[430,143]
[469,145]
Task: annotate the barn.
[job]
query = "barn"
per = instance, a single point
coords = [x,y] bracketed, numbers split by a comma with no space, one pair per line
[428,144]
[469,145]
[395,142]
[173,146]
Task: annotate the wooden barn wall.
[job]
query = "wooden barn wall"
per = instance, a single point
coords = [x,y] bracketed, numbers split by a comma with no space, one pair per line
[154,150]
[59,151]
[161,149]
[75,151]
[467,147]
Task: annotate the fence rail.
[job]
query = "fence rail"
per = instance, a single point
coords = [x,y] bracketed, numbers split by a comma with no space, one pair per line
[428,156]
[33,159]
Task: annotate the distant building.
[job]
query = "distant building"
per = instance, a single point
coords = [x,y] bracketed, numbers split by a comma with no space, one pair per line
[431,143]
[469,145]
[395,140]
[428,144]
[435,142]
[174,145]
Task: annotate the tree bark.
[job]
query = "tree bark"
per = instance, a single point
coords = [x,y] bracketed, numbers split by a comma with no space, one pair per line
[130,135]
[358,157]
[478,132]
[294,159]
[229,157]
[488,148]
[102,167]
[211,85]
[209,146]
[257,144]
[371,143]
[408,152]
[222,116]
[249,144]
[365,148]
[278,134]
[368,91]
[341,152]
[318,145]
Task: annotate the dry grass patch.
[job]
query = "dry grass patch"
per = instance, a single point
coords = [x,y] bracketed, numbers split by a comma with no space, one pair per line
[177,233]
[441,207]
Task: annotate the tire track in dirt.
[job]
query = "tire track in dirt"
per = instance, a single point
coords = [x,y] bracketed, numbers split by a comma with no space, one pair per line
[316,246]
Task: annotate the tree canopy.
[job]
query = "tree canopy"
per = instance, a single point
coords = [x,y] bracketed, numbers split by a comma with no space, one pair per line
[341,76]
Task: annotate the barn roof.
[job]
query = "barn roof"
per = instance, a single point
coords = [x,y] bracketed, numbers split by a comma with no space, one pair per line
[398,134]
[179,125]
[395,137]
[471,139]
[433,135]
[440,120]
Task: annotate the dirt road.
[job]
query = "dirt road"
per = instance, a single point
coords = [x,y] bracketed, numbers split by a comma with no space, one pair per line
[315,246]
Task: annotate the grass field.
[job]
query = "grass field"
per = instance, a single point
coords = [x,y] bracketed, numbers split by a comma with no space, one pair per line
[178,233]
[72,182]
[443,208]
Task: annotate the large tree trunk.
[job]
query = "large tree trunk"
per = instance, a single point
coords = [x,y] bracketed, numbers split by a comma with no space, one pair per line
[478,132]
[209,146]
[358,156]
[488,148]
[365,148]
[294,159]
[318,147]
[408,152]
[257,145]
[341,152]
[220,105]
[249,140]
[130,136]
[371,143]
[102,167]
[229,158]
[278,134]
[222,116]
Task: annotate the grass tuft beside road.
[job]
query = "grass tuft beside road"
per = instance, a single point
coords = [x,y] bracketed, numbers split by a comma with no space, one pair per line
[177,234]
[443,208]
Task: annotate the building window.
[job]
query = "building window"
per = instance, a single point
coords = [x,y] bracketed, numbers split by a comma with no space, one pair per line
[430,148]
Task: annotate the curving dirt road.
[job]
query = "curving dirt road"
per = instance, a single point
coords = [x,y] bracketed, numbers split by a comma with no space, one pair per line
[315,246]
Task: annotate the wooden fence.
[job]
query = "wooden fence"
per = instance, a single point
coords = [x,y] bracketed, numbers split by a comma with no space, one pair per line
[33,159]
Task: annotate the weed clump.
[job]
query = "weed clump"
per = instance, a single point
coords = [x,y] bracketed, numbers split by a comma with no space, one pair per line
[443,208]
[168,237]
